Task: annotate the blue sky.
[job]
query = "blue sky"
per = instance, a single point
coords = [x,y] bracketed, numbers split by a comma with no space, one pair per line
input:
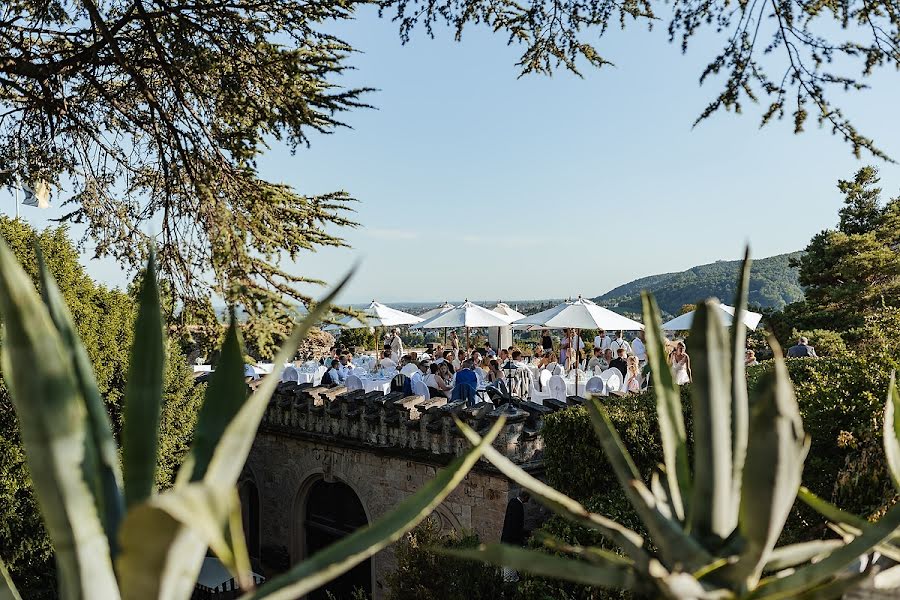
[476,183]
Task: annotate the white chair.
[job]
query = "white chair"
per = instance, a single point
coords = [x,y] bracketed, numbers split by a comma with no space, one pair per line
[354,383]
[545,378]
[537,396]
[291,374]
[317,376]
[613,379]
[595,386]
[420,389]
[557,388]
[249,371]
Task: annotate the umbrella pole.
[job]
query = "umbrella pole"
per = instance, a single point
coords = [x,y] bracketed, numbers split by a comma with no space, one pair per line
[577,362]
[467,339]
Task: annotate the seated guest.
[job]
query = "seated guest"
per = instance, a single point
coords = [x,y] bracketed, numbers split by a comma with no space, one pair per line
[537,355]
[438,386]
[553,365]
[608,357]
[387,363]
[458,361]
[619,362]
[494,374]
[802,350]
[344,369]
[597,361]
[448,360]
[466,375]
[504,355]
[750,359]
[517,359]
[407,366]
[333,376]
[413,357]
[422,372]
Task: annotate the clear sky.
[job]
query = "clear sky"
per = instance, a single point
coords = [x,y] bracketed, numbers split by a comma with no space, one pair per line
[476,183]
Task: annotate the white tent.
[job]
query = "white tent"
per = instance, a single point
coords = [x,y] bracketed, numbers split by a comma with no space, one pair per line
[437,310]
[465,315]
[726,316]
[578,314]
[501,337]
[346,322]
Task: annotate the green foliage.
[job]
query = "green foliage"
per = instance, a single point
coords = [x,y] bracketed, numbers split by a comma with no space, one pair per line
[826,343]
[854,270]
[103,320]
[423,575]
[774,283]
[360,338]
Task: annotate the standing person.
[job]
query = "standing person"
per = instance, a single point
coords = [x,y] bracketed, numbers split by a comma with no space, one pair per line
[802,350]
[619,362]
[460,358]
[396,346]
[514,528]
[639,348]
[602,341]
[564,347]
[620,342]
[454,341]
[546,341]
[681,364]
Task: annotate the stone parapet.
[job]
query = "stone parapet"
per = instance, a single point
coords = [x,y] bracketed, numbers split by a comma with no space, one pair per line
[408,424]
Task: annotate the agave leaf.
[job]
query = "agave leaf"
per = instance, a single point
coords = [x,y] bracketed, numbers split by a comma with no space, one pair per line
[660,494]
[830,511]
[105,479]
[143,393]
[151,560]
[234,444]
[774,467]
[833,564]
[610,575]
[8,589]
[797,554]
[559,503]
[225,394]
[54,430]
[342,556]
[740,402]
[588,553]
[713,510]
[848,533]
[892,432]
[668,409]
[675,546]
[830,590]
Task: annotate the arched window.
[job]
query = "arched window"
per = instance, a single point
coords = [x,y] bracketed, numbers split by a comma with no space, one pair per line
[332,512]
[249,496]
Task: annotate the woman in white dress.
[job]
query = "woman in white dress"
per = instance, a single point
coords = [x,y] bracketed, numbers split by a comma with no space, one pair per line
[633,377]
[681,364]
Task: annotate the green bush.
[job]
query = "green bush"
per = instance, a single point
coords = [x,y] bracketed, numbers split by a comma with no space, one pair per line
[423,575]
[104,320]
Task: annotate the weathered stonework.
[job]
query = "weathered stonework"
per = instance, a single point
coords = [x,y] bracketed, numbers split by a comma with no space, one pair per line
[384,448]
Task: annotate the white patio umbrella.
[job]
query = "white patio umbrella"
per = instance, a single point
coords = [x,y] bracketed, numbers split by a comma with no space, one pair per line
[726,316]
[437,310]
[376,315]
[579,314]
[465,315]
[504,334]
[504,309]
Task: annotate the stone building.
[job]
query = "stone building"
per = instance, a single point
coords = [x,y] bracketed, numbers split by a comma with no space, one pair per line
[326,461]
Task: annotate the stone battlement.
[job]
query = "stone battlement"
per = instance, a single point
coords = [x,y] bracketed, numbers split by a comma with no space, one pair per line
[407,424]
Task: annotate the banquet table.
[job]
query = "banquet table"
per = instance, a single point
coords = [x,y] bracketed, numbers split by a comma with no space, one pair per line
[380,384]
[570,386]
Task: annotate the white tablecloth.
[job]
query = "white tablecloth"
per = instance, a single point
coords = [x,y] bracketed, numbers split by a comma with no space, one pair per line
[305,377]
[570,386]
[383,385]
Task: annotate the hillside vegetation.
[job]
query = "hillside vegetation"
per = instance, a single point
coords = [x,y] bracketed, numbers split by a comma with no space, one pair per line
[773,284]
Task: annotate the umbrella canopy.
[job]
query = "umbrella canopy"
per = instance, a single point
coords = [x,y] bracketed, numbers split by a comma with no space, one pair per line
[579,314]
[466,314]
[437,310]
[375,315]
[726,316]
[504,309]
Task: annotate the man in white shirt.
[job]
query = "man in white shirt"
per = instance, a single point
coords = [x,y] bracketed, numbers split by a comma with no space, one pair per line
[421,372]
[344,369]
[620,342]
[334,372]
[396,346]
[387,363]
[639,348]
[602,341]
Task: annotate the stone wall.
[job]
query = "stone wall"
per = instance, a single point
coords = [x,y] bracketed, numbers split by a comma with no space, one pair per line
[384,447]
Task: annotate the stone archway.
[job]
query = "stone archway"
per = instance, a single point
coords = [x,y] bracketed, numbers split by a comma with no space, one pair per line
[250,516]
[328,509]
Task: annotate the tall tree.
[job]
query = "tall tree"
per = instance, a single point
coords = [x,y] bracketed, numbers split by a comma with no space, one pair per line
[155,111]
[852,271]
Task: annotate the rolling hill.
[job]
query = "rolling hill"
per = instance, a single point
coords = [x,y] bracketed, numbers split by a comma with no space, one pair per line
[773,284]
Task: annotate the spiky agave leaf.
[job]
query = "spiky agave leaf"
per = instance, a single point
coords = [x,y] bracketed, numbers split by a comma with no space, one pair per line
[892,431]
[740,401]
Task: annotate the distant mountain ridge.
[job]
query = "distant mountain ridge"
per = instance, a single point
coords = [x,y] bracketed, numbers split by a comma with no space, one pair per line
[773,284]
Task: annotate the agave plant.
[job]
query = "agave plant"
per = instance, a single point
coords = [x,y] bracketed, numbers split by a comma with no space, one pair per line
[713,525]
[114,535]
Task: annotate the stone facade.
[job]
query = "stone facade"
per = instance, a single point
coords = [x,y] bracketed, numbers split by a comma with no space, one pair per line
[384,447]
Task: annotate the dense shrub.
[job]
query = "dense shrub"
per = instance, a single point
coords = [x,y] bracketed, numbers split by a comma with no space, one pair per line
[424,575]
